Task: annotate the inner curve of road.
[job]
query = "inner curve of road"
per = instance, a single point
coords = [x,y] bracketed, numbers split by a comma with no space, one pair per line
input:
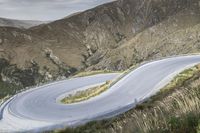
[39,109]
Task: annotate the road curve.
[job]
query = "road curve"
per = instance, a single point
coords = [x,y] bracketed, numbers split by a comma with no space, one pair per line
[38,109]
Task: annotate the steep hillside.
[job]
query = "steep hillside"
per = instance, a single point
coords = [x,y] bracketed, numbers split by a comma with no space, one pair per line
[177,34]
[19,23]
[112,36]
[107,27]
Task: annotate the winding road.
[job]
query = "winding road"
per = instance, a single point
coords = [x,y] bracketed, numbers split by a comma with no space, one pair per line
[39,109]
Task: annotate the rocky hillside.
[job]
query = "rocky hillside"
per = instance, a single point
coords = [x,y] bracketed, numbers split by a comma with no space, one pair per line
[177,34]
[113,36]
[19,23]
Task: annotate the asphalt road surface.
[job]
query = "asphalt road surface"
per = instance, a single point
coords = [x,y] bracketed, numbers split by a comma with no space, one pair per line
[39,109]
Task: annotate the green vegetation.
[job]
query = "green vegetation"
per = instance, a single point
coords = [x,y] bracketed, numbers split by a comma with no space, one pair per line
[8,89]
[181,77]
[176,108]
[86,94]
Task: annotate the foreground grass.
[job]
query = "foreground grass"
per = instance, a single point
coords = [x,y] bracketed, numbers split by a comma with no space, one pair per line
[175,109]
[86,94]
[178,113]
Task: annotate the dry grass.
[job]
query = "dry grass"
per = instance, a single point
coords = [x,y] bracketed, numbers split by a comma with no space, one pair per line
[177,113]
[176,109]
[4,99]
[86,94]
[181,77]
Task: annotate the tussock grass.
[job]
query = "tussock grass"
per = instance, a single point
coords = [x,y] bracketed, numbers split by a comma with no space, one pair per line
[86,94]
[177,113]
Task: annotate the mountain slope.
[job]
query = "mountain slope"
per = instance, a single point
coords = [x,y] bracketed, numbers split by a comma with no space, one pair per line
[19,23]
[110,36]
[106,27]
[178,34]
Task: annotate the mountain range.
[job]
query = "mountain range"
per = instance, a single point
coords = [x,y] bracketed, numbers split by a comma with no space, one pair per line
[4,22]
[112,36]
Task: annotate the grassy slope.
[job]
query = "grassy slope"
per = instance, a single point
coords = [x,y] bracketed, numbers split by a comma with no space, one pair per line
[175,109]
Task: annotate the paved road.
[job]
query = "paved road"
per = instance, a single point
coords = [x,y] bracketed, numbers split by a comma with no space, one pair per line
[39,109]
